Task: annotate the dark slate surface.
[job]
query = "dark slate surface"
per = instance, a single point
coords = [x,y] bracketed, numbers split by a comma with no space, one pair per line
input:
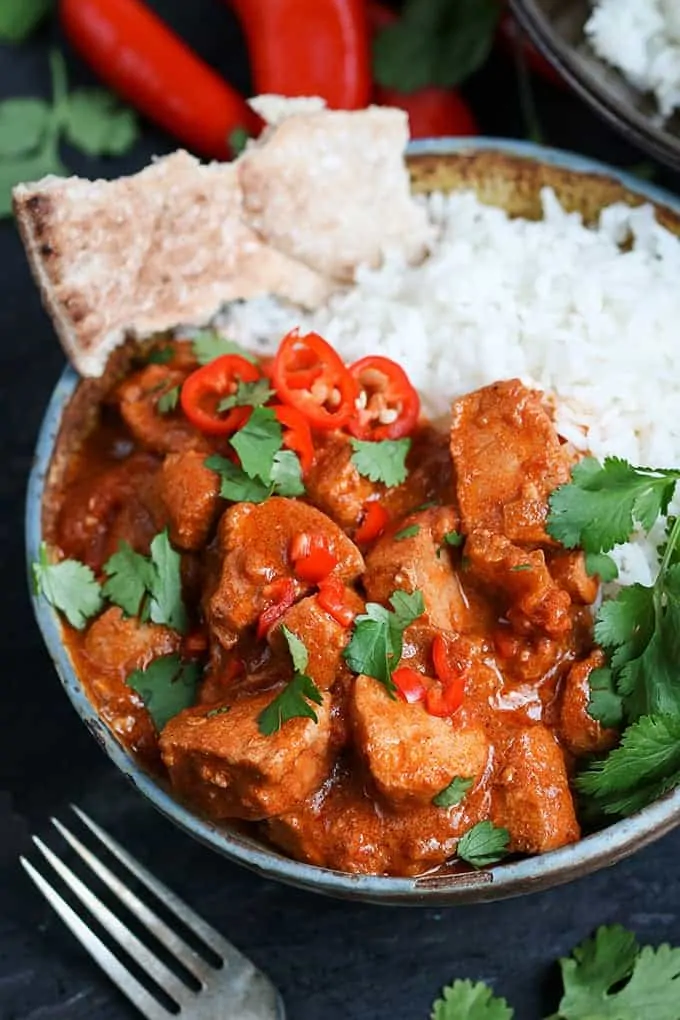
[330,959]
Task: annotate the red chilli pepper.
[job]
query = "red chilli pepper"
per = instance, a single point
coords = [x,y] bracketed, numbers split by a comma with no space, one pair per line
[374,522]
[282,594]
[309,48]
[332,597]
[409,684]
[203,390]
[433,112]
[309,376]
[297,435]
[141,59]
[445,700]
[312,560]
[387,406]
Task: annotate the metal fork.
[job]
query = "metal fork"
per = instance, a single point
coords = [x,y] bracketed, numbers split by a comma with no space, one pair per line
[233,990]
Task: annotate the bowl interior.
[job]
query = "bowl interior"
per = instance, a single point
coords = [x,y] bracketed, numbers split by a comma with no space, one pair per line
[510,175]
[557,27]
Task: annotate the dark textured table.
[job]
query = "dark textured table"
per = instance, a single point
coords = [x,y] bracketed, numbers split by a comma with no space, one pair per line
[330,959]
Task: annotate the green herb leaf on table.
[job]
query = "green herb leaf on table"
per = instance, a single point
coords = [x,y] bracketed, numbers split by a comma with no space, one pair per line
[236,485]
[167,402]
[483,844]
[130,577]
[595,973]
[96,123]
[27,168]
[410,532]
[641,769]
[23,123]
[208,344]
[383,461]
[247,394]
[454,793]
[602,566]
[435,42]
[376,643]
[603,503]
[19,18]
[166,686]
[258,442]
[468,1000]
[69,586]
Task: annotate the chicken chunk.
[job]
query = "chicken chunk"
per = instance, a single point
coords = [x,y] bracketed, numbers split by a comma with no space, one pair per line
[221,762]
[120,644]
[161,433]
[254,541]
[419,562]
[410,754]
[190,493]
[335,486]
[323,637]
[569,571]
[533,599]
[532,799]
[578,731]
[507,458]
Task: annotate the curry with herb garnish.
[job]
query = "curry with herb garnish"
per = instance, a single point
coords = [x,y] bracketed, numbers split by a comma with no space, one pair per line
[325,616]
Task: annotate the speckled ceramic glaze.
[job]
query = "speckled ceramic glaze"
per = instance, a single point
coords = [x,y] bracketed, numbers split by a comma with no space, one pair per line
[556,26]
[506,174]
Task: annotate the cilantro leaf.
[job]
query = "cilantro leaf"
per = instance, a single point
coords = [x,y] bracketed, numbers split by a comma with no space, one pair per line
[376,644]
[166,604]
[468,1000]
[29,168]
[483,844]
[286,474]
[594,974]
[602,566]
[454,793]
[247,394]
[69,586]
[160,355]
[166,686]
[236,486]
[435,42]
[23,123]
[129,578]
[258,442]
[238,139]
[221,710]
[624,625]
[603,503]
[293,702]
[296,647]
[97,124]
[167,402]
[454,538]
[19,18]
[381,462]
[208,344]
[642,768]
[409,532]
[604,704]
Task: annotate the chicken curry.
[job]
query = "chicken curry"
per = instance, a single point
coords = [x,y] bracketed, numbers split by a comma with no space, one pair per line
[323,615]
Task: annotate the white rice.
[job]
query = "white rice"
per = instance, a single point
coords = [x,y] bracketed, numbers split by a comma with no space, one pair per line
[641,38]
[558,304]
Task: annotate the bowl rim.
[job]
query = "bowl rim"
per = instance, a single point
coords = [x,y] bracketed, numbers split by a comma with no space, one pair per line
[654,139]
[514,878]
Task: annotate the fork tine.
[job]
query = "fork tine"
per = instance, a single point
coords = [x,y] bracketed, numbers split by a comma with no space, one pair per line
[176,945]
[112,967]
[161,974]
[211,937]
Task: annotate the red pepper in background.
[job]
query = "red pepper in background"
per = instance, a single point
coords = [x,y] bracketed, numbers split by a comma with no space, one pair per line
[332,597]
[433,112]
[373,524]
[141,59]
[309,48]
[203,390]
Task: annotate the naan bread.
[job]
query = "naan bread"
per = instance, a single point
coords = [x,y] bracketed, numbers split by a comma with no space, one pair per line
[321,193]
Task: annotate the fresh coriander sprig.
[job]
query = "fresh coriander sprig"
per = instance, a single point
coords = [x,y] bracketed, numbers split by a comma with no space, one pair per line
[166,686]
[483,844]
[208,344]
[69,586]
[150,587]
[19,18]
[383,461]
[296,699]
[31,129]
[376,644]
